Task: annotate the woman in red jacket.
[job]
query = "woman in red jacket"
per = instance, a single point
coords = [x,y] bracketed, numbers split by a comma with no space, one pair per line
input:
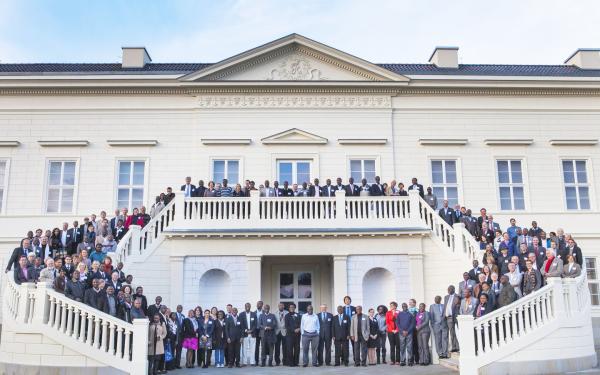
[392,332]
[134,219]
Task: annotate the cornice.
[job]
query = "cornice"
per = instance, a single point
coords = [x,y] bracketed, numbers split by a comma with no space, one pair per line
[574,142]
[508,141]
[131,142]
[443,141]
[10,143]
[225,141]
[294,101]
[63,143]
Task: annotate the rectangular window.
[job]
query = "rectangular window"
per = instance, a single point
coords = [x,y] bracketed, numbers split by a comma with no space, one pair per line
[444,181]
[61,186]
[577,190]
[227,168]
[592,275]
[363,168]
[130,184]
[3,183]
[510,185]
[293,171]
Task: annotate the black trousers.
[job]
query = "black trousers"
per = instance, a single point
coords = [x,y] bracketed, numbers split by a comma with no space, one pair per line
[257,350]
[153,364]
[394,340]
[324,344]
[360,351]
[341,352]
[267,348]
[280,349]
[234,352]
[381,351]
[226,350]
[292,343]
[415,357]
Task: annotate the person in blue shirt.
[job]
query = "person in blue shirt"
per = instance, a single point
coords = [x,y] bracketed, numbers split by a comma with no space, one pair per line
[98,255]
[513,234]
[406,325]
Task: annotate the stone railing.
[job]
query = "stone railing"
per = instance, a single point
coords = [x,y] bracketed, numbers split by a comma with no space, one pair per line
[38,309]
[562,303]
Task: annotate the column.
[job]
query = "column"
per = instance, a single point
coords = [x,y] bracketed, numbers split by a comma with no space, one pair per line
[176,281]
[417,280]
[254,278]
[466,338]
[415,208]
[340,279]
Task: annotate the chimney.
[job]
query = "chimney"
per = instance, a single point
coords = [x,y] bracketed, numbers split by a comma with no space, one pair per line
[585,58]
[445,57]
[135,57]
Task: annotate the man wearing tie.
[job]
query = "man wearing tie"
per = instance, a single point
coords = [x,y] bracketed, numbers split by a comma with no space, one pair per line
[259,312]
[416,186]
[314,190]
[341,335]
[351,189]
[328,190]
[325,336]
[338,186]
[376,189]
[178,348]
[280,333]
[188,189]
[17,253]
[65,238]
[439,327]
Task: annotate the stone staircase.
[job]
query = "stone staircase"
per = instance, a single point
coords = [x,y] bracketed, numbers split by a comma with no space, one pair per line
[452,363]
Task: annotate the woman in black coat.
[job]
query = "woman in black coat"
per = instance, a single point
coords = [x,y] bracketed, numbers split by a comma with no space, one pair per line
[190,338]
[219,339]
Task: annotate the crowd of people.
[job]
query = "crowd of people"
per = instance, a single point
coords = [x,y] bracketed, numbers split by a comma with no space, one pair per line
[77,261]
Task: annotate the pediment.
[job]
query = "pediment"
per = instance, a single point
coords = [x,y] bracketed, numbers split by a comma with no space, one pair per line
[294,58]
[294,136]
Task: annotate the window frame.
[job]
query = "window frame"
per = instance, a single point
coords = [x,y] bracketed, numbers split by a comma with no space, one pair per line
[459,185]
[589,184]
[227,159]
[295,170]
[362,158]
[47,185]
[4,185]
[118,160]
[595,281]
[523,184]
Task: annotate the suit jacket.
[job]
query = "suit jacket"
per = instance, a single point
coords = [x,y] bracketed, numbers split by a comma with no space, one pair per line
[420,188]
[464,285]
[280,322]
[364,327]
[267,320]
[341,331]
[325,326]
[576,252]
[253,323]
[292,322]
[91,298]
[192,189]
[447,215]
[14,258]
[199,191]
[376,190]
[340,188]
[103,303]
[436,317]
[20,275]
[233,328]
[328,191]
[286,192]
[424,326]
[473,275]
[555,270]
[507,296]
[313,188]
[352,190]
[118,233]
[76,236]
[456,304]
[467,306]
[531,284]
[575,270]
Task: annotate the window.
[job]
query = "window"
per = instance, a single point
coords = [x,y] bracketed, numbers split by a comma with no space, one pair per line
[3,183]
[229,169]
[510,185]
[577,190]
[297,288]
[363,168]
[592,275]
[293,171]
[130,189]
[61,186]
[444,181]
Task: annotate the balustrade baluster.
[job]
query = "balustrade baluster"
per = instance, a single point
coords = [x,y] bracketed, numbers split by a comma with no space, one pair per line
[76,320]
[127,349]
[105,336]
[111,342]
[119,352]
[478,343]
[96,343]
[485,337]
[493,331]
[59,315]
[82,326]
[51,321]
[69,320]
[89,326]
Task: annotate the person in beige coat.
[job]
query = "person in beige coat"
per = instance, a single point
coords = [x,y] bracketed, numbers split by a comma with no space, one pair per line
[157,331]
[571,269]
[359,333]
[553,265]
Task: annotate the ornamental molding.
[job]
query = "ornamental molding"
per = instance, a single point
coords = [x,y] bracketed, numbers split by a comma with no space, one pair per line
[295,68]
[508,142]
[10,143]
[225,141]
[574,142]
[294,101]
[131,142]
[63,143]
[443,141]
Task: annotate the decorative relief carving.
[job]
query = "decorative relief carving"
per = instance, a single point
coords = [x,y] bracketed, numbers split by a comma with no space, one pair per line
[295,68]
[294,101]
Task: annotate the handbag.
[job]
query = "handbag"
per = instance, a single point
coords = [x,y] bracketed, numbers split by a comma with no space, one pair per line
[168,352]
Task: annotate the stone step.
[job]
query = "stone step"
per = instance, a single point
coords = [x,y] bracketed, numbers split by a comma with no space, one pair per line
[451,363]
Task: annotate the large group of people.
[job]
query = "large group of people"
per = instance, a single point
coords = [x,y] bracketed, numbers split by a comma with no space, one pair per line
[77,261]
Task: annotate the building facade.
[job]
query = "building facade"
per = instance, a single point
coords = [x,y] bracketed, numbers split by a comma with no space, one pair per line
[519,140]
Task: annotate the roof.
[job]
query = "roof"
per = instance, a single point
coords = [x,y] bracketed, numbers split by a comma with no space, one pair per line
[403,69]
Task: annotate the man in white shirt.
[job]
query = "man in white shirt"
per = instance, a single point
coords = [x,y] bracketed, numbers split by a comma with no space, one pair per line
[309,328]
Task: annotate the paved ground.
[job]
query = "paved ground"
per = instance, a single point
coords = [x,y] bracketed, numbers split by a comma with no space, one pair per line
[371,370]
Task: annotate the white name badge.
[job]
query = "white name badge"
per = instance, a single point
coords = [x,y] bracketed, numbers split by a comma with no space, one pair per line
[363,319]
[483,308]
[506,261]
[210,322]
[251,319]
[268,320]
[353,312]
[296,315]
[329,319]
[237,323]
[345,321]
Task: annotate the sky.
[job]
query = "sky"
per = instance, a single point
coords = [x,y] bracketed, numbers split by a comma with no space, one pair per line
[380,31]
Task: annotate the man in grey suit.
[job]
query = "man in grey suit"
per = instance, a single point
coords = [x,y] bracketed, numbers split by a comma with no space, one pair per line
[359,334]
[468,304]
[439,327]
[280,348]
[268,324]
[466,284]
[451,307]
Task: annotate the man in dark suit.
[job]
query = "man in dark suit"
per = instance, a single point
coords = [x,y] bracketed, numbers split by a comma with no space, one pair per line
[107,301]
[416,186]
[276,189]
[341,334]
[325,335]
[267,326]
[573,249]
[315,190]
[23,272]
[23,250]
[286,191]
[475,271]
[83,228]
[76,238]
[352,189]
[338,186]
[328,190]
[451,308]
[200,189]
[119,231]
[482,217]
[447,213]
[376,189]
[292,336]
[188,188]
[155,309]
[249,332]
[233,332]
[92,295]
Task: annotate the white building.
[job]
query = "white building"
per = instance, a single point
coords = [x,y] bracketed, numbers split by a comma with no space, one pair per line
[519,140]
